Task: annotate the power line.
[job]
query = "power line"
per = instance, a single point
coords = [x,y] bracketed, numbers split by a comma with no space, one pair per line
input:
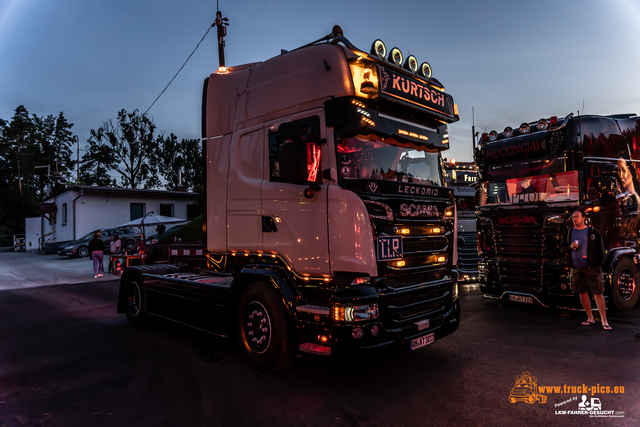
[185,63]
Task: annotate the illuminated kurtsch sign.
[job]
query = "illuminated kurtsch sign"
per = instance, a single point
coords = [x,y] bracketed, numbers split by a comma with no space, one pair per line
[398,86]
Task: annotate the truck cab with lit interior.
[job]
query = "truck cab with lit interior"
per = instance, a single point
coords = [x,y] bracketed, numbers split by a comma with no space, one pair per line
[531,179]
[328,229]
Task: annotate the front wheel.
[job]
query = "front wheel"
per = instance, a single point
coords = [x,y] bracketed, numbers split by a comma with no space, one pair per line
[83,251]
[134,302]
[263,328]
[129,244]
[624,289]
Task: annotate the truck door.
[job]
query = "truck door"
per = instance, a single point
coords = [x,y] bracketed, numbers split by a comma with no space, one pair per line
[295,226]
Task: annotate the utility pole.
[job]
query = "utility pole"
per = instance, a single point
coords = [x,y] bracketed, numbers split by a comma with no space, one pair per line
[222,24]
[77,141]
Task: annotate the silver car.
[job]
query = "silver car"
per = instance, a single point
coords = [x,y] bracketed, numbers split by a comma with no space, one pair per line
[80,247]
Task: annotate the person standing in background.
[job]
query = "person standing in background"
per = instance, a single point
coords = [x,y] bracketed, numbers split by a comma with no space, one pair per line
[96,249]
[114,247]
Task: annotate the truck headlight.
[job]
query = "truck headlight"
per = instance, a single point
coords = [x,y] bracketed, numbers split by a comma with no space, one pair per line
[354,313]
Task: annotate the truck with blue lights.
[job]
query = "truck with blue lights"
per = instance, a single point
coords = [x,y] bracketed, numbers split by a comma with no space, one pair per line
[328,229]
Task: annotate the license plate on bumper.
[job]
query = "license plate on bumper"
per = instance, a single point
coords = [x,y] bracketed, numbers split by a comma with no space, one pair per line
[423,341]
[521,298]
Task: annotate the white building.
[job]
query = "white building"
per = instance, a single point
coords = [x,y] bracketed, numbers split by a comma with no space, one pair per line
[80,209]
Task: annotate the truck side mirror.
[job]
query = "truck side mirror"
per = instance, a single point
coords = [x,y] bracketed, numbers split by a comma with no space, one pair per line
[300,163]
[606,188]
[606,182]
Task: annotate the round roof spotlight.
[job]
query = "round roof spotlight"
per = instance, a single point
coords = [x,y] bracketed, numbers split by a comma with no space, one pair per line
[411,64]
[379,49]
[425,70]
[524,128]
[507,132]
[493,135]
[543,124]
[395,56]
[336,31]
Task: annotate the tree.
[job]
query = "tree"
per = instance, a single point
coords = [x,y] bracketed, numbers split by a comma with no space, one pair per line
[173,156]
[26,142]
[125,147]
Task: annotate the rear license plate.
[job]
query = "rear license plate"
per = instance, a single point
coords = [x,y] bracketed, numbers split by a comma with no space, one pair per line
[521,298]
[423,341]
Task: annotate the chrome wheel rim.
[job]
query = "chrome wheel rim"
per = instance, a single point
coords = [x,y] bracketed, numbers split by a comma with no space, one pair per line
[257,327]
[134,299]
[626,285]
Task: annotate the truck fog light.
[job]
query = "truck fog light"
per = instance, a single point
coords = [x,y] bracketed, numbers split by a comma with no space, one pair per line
[375,330]
[354,313]
[357,333]
[323,339]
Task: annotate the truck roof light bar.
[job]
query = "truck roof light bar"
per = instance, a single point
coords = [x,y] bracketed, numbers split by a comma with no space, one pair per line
[543,124]
[524,128]
[507,132]
[493,135]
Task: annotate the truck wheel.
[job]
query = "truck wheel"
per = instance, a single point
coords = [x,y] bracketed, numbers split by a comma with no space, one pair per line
[263,329]
[134,302]
[531,400]
[83,251]
[542,399]
[624,289]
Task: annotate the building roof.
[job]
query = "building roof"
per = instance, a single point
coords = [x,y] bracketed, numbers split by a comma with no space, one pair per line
[108,189]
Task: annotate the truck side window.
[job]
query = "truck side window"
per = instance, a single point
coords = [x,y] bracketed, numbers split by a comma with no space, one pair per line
[312,133]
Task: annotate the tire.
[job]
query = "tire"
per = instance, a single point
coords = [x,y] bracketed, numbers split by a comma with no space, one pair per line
[135,302]
[129,244]
[263,328]
[542,399]
[624,289]
[531,400]
[83,251]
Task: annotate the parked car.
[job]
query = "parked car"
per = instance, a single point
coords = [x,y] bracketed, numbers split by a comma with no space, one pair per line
[80,247]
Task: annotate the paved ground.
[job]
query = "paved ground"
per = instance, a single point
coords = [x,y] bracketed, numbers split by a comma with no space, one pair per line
[27,270]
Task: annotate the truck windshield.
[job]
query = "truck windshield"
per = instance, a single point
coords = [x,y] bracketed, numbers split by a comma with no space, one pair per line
[530,181]
[373,157]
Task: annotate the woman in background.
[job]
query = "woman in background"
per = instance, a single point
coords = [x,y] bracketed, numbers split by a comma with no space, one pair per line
[114,247]
[96,249]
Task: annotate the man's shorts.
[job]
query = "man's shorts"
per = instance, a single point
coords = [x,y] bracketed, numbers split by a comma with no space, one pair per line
[587,279]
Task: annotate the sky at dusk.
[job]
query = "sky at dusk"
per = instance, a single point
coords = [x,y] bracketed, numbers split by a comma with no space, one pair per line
[510,62]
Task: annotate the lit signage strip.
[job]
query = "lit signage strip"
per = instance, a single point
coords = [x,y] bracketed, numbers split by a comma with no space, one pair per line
[402,87]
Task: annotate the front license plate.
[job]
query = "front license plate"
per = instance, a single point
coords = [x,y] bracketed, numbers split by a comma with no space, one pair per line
[521,298]
[423,341]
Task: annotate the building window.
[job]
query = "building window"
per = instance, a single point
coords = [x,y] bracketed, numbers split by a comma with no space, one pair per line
[166,210]
[64,214]
[137,210]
